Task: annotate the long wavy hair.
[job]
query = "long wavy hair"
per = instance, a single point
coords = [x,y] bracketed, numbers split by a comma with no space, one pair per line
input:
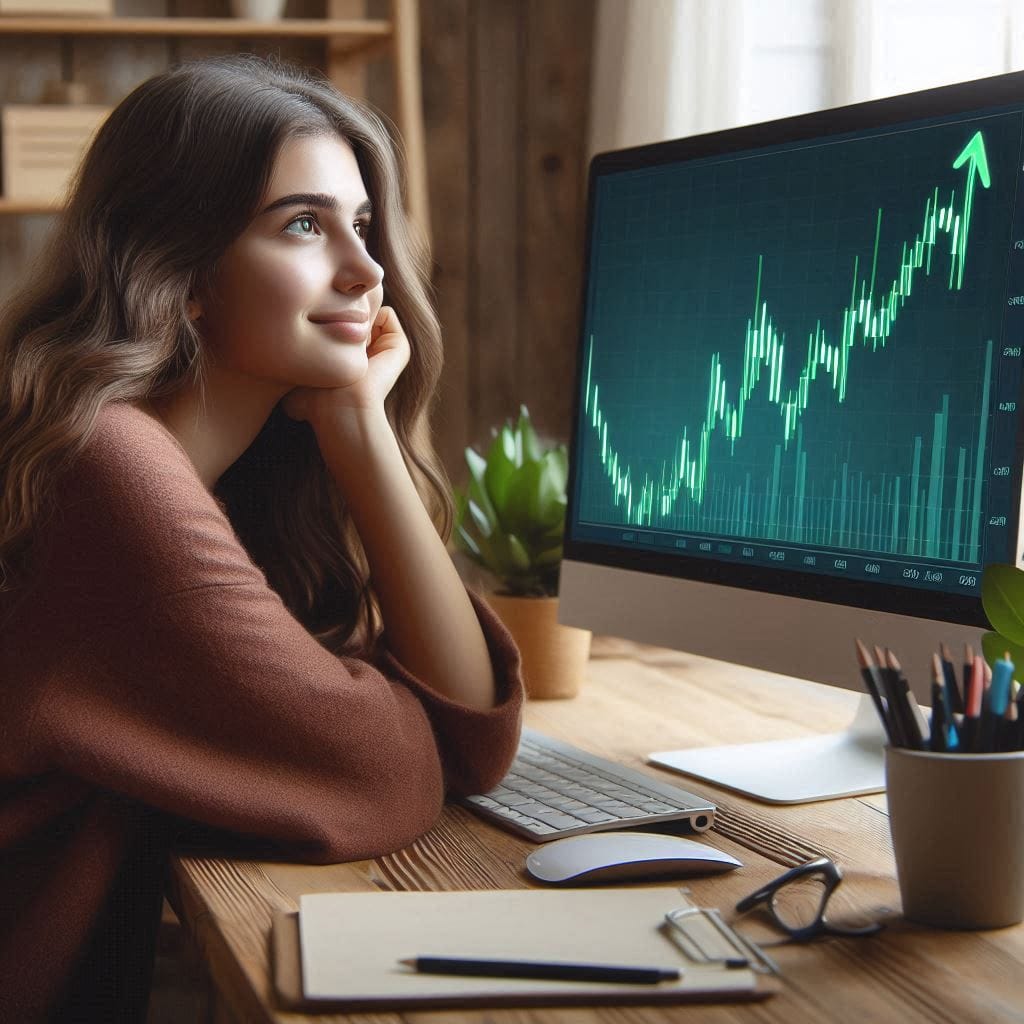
[172,178]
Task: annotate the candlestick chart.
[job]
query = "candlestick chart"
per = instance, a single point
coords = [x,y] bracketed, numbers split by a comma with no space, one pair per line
[846,402]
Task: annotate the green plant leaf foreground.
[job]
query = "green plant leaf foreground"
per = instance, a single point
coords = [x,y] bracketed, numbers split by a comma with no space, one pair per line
[995,645]
[1002,597]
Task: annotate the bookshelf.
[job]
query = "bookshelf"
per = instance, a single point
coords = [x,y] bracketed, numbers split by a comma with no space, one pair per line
[348,42]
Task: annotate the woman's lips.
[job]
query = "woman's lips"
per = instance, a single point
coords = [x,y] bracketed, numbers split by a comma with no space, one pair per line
[350,327]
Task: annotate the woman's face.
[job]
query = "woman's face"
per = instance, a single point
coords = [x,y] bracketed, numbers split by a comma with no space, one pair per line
[295,294]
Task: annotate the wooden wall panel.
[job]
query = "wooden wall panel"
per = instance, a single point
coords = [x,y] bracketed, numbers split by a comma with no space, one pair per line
[528,70]
[444,26]
[557,78]
[497,317]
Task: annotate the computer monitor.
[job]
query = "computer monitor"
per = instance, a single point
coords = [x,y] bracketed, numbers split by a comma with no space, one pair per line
[797,409]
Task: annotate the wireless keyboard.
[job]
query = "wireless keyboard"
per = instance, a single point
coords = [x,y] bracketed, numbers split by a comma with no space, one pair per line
[555,790]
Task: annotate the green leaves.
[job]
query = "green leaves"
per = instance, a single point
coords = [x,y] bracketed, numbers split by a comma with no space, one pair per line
[1002,597]
[511,515]
[994,646]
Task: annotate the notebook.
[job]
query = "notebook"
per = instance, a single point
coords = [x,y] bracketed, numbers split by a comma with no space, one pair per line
[341,951]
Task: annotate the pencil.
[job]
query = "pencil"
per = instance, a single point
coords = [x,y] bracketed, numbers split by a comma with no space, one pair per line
[889,686]
[968,669]
[1006,727]
[972,710]
[914,725]
[1020,719]
[873,682]
[937,737]
[549,970]
[954,702]
[994,705]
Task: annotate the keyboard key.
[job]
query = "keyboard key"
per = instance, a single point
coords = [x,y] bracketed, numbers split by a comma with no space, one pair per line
[595,817]
[566,803]
[557,819]
[513,799]
[654,807]
[533,809]
[540,829]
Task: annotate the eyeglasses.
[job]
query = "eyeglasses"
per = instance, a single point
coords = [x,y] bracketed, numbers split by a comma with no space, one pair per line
[797,900]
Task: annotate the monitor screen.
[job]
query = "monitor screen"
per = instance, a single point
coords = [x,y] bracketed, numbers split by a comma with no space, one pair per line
[799,381]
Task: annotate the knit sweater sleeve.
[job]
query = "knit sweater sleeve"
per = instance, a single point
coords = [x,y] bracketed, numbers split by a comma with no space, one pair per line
[178,678]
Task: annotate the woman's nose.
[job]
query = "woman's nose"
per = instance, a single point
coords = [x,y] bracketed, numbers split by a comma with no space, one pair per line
[357,271]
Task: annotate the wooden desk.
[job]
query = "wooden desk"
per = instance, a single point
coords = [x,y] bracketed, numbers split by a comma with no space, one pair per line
[638,699]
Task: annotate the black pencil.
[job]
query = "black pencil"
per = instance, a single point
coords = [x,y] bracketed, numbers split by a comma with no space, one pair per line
[873,682]
[954,702]
[1020,719]
[906,704]
[937,737]
[888,679]
[968,669]
[1007,729]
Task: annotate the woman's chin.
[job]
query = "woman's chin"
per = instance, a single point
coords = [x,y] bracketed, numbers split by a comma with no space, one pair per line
[343,373]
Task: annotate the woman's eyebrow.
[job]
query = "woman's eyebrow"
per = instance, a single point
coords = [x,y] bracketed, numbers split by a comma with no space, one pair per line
[320,200]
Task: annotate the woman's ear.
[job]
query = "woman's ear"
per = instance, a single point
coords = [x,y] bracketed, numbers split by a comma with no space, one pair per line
[193,309]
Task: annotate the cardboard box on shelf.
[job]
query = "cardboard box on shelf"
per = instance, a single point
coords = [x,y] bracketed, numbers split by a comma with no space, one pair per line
[99,8]
[42,147]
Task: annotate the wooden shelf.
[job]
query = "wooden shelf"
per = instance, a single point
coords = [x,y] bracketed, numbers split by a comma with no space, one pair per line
[354,31]
[27,206]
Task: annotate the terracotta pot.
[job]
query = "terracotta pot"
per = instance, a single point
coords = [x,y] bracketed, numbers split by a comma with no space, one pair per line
[554,656]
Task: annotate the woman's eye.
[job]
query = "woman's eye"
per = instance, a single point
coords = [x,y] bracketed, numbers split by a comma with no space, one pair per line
[306,225]
[362,228]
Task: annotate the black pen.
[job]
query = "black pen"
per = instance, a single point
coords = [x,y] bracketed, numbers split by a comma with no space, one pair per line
[547,970]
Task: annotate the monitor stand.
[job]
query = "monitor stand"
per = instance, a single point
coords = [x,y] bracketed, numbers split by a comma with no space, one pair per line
[850,763]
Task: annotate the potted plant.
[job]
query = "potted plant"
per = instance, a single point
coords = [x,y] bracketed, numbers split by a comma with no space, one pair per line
[509,520]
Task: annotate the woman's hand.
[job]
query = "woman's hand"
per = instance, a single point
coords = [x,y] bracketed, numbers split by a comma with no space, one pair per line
[387,356]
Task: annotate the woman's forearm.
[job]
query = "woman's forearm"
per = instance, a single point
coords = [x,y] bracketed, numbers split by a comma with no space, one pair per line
[428,619]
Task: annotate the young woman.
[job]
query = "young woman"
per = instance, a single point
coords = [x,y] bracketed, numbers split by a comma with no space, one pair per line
[226,606]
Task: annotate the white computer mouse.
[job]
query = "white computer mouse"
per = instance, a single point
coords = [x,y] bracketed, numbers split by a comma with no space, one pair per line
[624,856]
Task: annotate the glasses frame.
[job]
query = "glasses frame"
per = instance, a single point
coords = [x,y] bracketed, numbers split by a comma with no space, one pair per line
[832,878]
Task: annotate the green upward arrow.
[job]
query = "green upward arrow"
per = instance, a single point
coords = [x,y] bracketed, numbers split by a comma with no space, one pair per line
[973,153]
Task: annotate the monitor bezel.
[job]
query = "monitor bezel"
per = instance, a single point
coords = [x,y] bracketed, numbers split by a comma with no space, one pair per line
[986,95]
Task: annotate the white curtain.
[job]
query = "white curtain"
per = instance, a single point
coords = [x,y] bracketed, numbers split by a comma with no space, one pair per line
[668,68]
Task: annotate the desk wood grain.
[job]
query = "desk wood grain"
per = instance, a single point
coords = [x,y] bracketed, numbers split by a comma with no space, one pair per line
[638,699]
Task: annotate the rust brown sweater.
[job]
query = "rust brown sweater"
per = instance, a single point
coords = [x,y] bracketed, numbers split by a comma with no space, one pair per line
[149,673]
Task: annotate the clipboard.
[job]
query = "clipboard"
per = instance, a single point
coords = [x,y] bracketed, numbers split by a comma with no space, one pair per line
[340,953]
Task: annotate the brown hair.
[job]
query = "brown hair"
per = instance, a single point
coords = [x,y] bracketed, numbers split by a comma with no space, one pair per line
[173,177]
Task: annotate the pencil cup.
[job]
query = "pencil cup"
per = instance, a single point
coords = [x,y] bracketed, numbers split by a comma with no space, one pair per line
[957,823]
